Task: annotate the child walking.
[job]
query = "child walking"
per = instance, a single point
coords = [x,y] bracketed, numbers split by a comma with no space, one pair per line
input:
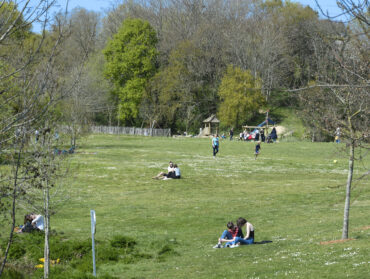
[257,150]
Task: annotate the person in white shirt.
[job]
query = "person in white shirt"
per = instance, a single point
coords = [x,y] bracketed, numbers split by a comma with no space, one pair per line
[37,221]
[169,174]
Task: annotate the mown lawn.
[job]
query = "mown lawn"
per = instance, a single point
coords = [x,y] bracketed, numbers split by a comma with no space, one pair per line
[293,194]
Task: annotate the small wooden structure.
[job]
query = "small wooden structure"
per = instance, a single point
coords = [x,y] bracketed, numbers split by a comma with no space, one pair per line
[211,125]
[264,125]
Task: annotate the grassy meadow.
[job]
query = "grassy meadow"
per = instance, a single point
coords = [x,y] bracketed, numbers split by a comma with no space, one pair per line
[293,194]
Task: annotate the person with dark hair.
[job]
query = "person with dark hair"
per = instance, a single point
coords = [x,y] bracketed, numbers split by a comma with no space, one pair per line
[262,134]
[231,133]
[249,234]
[257,135]
[170,172]
[177,172]
[215,145]
[27,225]
[257,150]
[228,235]
[273,134]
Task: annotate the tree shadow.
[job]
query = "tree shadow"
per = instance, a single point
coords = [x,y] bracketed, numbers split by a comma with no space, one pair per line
[262,242]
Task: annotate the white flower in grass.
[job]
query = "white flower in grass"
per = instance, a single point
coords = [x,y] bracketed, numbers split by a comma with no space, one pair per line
[330,263]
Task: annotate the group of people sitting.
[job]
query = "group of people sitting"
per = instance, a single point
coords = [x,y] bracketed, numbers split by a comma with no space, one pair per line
[63,151]
[32,222]
[233,236]
[252,136]
[259,135]
[173,172]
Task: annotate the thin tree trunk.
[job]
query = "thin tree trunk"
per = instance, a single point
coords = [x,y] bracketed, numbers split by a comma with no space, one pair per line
[46,228]
[348,190]
[14,199]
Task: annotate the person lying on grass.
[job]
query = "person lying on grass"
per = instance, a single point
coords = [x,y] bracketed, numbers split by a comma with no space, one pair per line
[229,235]
[249,234]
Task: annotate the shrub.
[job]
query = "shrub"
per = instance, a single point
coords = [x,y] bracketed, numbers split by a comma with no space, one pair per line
[120,241]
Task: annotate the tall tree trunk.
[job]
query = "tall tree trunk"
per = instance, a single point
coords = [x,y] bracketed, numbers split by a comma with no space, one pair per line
[46,228]
[348,190]
[14,199]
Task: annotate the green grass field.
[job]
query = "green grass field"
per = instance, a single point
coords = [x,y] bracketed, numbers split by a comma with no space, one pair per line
[293,194]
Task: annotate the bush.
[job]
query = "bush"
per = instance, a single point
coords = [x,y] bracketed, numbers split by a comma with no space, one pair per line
[120,241]
[75,256]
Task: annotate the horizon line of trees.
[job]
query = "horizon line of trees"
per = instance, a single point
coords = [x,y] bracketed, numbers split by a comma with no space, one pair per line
[162,63]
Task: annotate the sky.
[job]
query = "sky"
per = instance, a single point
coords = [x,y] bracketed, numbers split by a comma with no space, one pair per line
[329,6]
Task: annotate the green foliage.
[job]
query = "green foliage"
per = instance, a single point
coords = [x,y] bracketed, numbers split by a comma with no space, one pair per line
[179,91]
[16,252]
[9,14]
[119,241]
[74,255]
[131,61]
[240,95]
[11,273]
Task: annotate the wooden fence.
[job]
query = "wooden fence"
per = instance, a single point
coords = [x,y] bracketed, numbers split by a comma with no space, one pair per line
[131,131]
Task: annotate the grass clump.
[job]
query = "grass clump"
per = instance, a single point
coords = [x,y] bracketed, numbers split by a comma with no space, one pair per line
[75,256]
[121,241]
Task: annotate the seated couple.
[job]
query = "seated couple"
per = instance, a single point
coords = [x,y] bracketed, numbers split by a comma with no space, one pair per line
[32,222]
[173,171]
[233,236]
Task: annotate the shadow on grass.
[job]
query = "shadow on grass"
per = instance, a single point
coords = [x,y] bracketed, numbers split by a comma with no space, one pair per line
[263,242]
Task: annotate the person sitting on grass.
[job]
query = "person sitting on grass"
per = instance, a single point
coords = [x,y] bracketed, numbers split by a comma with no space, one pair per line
[177,172]
[37,222]
[249,234]
[27,226]
[257,150]
[229,235]
[170,172]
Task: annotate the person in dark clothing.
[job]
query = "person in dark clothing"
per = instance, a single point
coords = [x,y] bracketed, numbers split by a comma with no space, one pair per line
[257,150]
[257,137]
[262,135]
[231,133]
[273,134]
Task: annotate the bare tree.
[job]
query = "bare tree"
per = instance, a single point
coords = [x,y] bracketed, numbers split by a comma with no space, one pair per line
[340,96]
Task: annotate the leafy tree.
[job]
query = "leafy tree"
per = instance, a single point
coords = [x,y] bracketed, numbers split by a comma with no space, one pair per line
[131,61]
[240,95]
[181,91]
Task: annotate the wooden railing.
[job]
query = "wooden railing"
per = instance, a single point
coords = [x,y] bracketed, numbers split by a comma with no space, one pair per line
[131,131]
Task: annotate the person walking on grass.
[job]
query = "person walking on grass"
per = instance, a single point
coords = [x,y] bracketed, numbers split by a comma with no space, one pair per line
[257,150]
[215,145]
[231,133]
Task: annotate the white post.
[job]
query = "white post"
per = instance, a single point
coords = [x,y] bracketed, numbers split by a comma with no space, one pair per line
[93,229]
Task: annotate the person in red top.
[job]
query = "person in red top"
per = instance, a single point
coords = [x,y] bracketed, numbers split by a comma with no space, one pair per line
[229,234]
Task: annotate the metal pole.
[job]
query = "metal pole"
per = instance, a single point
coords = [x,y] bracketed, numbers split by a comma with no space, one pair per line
[93,228]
